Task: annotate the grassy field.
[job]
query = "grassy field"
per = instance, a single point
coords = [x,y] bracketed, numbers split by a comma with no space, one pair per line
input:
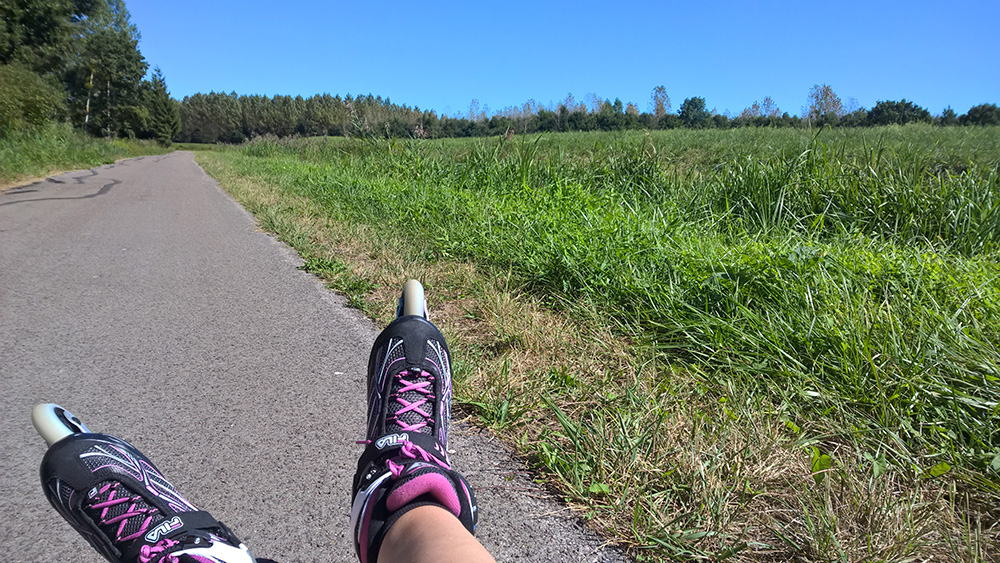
[750,344]
[34,154]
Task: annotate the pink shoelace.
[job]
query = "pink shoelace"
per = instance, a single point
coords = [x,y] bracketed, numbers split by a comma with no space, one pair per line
[132,511]
[154,553]
[422,387]
[414,451]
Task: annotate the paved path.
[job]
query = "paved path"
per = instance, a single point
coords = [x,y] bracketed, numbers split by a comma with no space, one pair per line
[142,298]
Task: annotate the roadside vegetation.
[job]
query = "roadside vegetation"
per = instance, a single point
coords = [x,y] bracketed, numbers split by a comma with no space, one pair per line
[73,92]
[757,344]
[35,153]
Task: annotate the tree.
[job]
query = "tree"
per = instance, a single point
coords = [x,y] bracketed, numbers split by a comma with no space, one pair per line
[902,112]
[27,99]
[769,109]
[823,101]
[983,114]
[751,112]
[660,101]
[39,34]
[570,102]
[165,115]
[693,113]
[547,121]
[947,118]
[105,80]
[856,118]
[476,112]
[611,117]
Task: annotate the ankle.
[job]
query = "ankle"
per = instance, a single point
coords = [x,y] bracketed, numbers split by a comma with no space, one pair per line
[431,533]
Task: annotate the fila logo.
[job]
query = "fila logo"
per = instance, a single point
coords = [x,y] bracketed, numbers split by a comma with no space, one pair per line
[164,528]
[391,440]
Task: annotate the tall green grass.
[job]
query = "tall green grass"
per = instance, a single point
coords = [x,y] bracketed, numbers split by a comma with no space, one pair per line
[854,277]
[845,282]
[37,152]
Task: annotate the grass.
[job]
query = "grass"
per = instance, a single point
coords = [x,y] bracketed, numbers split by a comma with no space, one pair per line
[749,344]
[37,153]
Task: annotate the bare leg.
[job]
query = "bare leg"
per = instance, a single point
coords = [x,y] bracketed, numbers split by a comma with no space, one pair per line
[430,534]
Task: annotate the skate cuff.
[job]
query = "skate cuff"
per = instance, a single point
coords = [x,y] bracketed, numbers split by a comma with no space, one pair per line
[427,483]
[387,494]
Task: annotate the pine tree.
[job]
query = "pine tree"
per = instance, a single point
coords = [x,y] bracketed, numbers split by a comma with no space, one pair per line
[164,112]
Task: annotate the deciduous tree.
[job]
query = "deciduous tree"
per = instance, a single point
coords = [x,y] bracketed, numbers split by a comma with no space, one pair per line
[660,101]
[823,101]
[892,112]
[27,99]
[693,113]
[983,114]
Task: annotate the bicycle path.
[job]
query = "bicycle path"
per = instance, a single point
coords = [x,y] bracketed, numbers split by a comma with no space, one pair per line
[142,298]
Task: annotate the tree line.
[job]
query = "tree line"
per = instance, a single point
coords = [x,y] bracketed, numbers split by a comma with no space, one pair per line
[232,118]
[79,61]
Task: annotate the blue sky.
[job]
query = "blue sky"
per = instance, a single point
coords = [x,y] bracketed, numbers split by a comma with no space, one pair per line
[442,55]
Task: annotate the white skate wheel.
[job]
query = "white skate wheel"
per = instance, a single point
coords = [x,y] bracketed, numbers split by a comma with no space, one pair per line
[413,302]
[54,423]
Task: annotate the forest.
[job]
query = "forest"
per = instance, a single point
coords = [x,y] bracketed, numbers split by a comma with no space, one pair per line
[77,62]
[231,118]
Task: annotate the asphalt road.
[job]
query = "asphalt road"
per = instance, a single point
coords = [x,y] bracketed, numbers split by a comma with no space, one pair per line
[144,299]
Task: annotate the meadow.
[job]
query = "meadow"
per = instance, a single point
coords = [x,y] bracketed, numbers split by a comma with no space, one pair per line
[749,344]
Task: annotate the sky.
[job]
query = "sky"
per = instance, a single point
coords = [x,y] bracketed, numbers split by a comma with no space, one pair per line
[442,55]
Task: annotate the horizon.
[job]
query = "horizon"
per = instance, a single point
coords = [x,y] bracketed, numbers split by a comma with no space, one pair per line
[441,60]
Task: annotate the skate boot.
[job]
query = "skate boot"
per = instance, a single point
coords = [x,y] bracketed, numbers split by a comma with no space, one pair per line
[405,463]
[121,504]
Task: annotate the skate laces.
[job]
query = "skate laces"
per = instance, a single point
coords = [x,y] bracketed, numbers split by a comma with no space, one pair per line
[413,452]
[155,553]
[121,511]
[413,390]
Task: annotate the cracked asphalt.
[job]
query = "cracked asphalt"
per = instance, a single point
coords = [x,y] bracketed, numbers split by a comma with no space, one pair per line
[144,299]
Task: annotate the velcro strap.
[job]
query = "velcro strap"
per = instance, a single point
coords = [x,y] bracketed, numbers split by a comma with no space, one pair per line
[386,447]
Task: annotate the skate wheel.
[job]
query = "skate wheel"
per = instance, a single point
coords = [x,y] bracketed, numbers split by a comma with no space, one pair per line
[412,301]
[54,423]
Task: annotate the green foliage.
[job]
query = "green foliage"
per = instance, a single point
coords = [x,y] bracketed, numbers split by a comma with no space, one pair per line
[105,82]
[232,118]
[166,115]
[40,151]
[947,118]
[217,117]
[983,114]
[839,292]
[899,113]
[693,113]
[92,47]
[27,99]
[39,34]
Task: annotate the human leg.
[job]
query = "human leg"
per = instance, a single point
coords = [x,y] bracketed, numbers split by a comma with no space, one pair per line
[429,534]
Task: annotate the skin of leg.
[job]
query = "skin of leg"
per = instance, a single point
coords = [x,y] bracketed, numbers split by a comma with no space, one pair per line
[431,534]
